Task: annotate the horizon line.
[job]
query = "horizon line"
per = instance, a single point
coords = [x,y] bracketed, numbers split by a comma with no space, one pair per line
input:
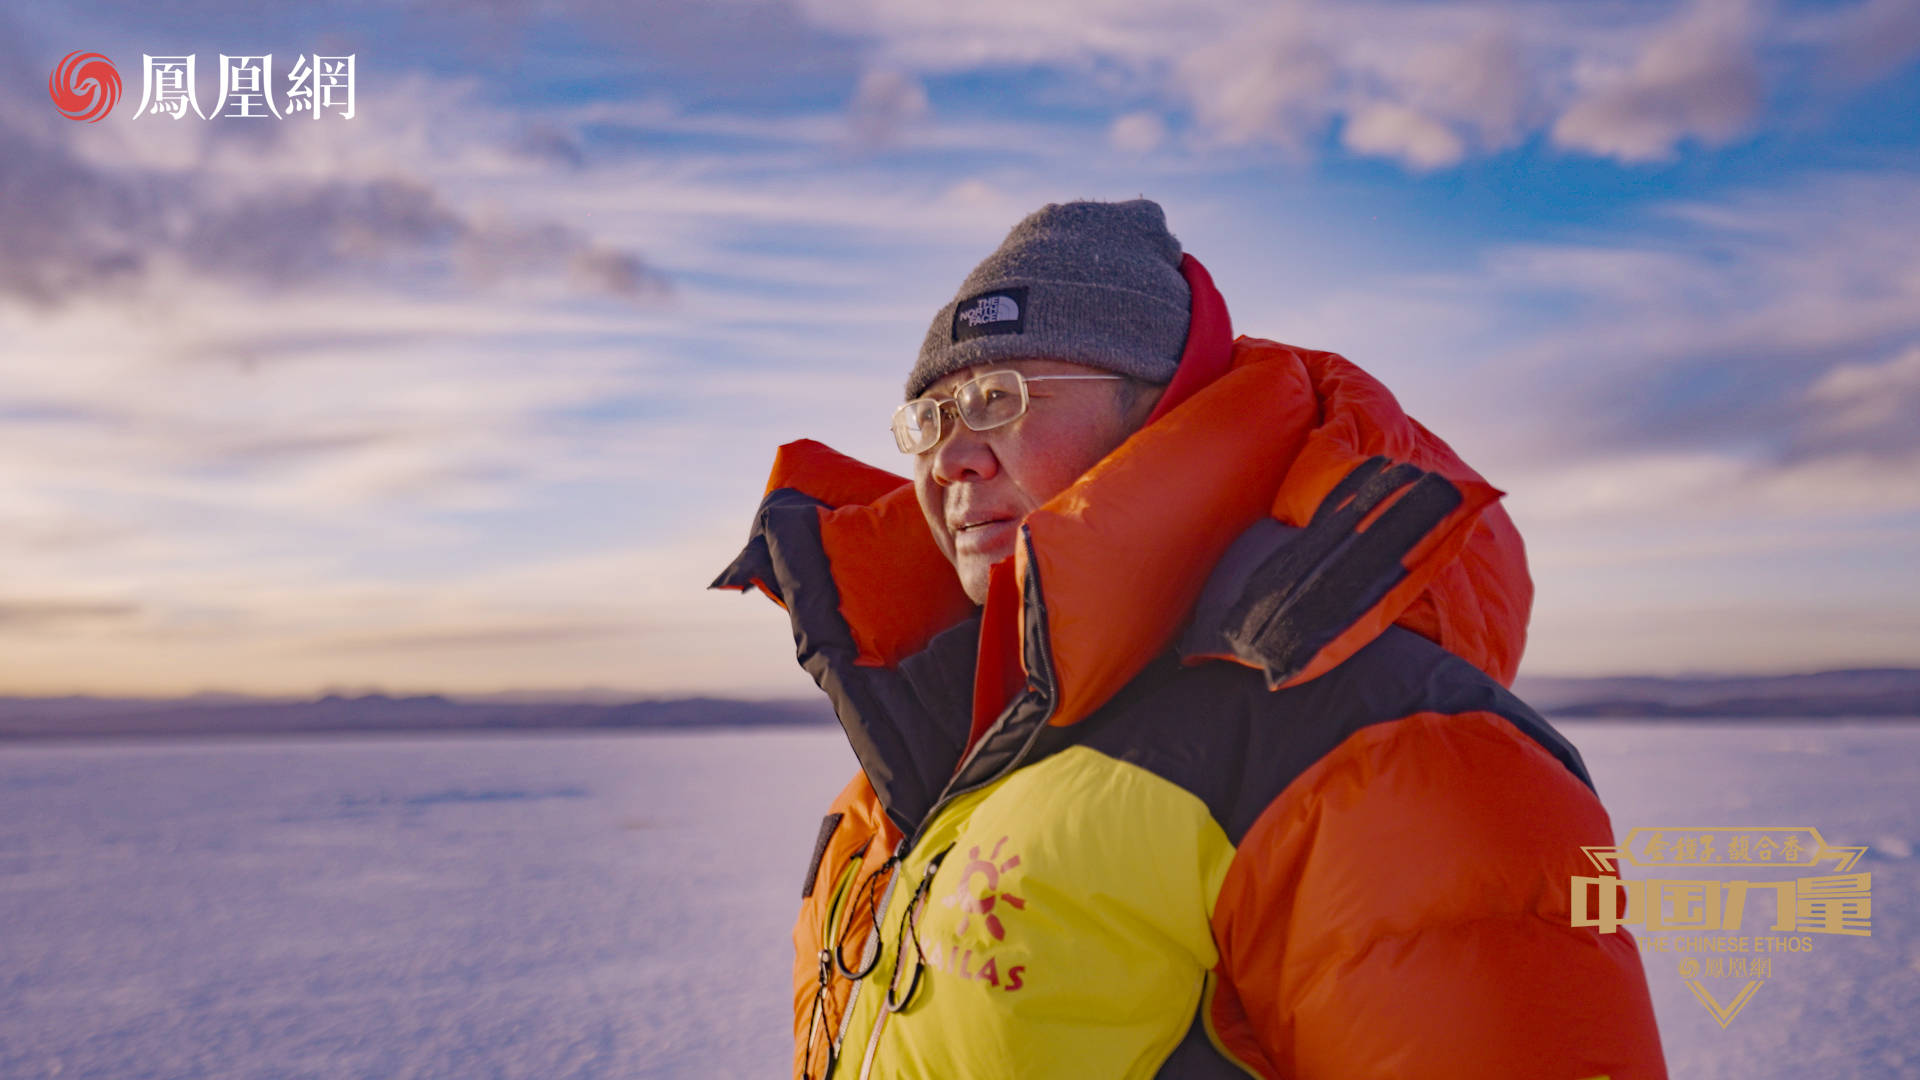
[602,695]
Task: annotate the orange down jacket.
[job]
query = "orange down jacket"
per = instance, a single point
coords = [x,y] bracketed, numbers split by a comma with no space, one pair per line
[1224,778]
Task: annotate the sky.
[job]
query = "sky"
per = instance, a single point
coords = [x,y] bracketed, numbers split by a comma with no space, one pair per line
[477,389]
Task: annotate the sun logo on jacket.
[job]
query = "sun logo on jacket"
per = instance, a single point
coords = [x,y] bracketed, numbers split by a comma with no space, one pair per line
[962,897]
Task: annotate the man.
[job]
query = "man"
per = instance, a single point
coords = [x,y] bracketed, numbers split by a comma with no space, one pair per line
[1177,679]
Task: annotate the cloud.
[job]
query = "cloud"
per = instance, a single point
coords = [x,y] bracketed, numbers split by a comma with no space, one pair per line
[1479,82]
[1270,81]
[618,273]
[1575,634]
[884,106]
[635,617]
[1137,132]
[932,36]
[1421,84]
[1413,80]
[464,637]
[1396,131]
[495,248]
[1426,84]
[1752,357]
[37,615]
[1620,485]
[1866,407]
[88,212]
[1864,41]
[550,144]
[65,229]
[280,239]
[1722,485]
[1697,77]
[1710,325]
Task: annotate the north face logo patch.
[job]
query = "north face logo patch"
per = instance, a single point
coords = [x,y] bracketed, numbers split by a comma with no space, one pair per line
[1002,311]
[991,309]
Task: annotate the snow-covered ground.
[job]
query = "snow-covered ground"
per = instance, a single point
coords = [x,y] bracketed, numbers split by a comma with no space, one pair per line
[563,906]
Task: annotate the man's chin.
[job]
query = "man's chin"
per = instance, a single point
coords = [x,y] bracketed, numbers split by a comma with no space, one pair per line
[975,571]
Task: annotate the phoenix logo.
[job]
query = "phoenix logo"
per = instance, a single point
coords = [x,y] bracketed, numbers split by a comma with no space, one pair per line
[84,86]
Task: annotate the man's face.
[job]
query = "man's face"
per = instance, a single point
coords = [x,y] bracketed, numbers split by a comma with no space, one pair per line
[976,486]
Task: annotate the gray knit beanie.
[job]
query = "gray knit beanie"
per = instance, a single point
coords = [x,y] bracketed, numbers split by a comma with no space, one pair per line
[1094,283]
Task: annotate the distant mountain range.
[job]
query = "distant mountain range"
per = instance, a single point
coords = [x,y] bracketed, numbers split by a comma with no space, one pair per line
[1890,693]
[1862,692]
[226,714]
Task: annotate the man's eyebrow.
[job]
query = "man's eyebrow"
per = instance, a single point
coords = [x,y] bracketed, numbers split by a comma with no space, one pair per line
[948,388]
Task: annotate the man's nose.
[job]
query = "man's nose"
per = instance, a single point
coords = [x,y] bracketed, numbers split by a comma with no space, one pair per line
[963,455]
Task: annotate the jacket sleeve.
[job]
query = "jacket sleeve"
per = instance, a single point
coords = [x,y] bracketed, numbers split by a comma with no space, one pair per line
[1402,909]
[844,877]
[902,718]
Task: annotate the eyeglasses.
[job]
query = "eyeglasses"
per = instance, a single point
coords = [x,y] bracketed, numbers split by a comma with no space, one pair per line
[984,403]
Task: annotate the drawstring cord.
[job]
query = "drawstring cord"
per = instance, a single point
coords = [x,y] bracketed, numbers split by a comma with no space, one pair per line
[870,890]
[910,932]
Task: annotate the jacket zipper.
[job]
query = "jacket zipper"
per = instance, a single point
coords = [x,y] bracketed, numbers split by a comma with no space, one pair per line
[905,846]
[900,854]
